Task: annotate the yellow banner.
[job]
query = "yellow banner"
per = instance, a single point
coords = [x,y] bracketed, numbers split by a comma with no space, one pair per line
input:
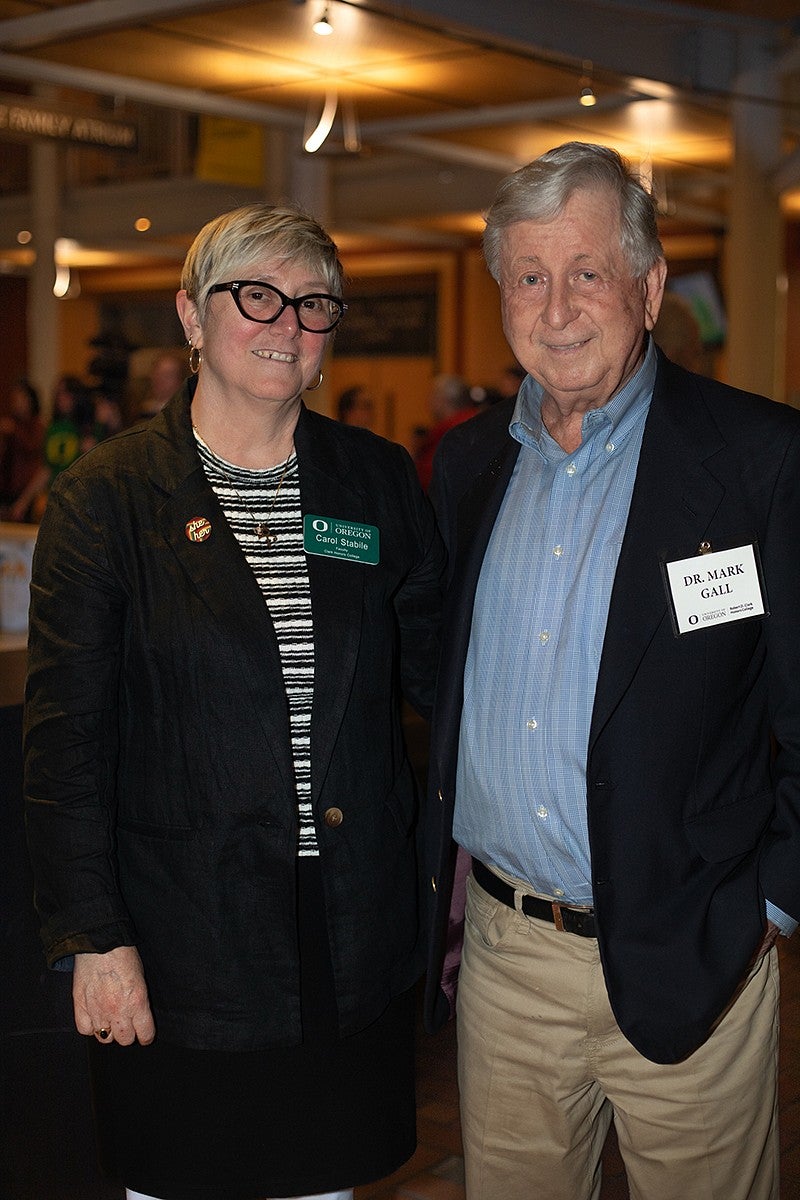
[230,151]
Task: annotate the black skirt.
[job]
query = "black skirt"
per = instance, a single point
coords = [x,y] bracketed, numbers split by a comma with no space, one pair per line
[329,1114]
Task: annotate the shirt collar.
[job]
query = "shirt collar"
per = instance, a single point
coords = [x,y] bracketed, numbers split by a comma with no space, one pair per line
[620,414]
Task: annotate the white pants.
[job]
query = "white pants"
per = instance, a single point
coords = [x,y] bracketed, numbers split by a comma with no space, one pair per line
[345,1195]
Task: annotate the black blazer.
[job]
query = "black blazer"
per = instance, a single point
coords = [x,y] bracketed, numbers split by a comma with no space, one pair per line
[692,818]
[159,779]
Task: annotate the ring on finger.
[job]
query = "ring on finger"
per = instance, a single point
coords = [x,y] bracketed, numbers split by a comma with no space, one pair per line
[103,1034]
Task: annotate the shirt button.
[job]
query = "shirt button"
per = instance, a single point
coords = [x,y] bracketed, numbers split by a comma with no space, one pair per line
[333,817]
[544,636]
[571,469]
[558,891]
[541,811]
[610,447]
[558,551]
[532,723]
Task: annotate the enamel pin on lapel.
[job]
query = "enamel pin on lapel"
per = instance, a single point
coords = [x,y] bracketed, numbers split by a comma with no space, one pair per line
[715,587]
[198,529]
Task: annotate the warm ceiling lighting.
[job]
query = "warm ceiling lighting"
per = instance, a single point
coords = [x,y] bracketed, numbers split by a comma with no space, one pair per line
[323,26]
[142,224]
[24,237]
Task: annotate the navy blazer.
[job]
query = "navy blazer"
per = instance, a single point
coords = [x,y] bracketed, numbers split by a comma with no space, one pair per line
[161,808]
[693,761]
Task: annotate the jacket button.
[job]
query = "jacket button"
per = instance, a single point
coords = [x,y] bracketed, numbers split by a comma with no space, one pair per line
[334,818]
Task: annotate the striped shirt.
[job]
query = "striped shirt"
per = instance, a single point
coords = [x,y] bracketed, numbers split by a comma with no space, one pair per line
[273,497]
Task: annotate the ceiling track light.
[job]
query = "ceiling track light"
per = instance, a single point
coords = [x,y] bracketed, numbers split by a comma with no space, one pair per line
[586,96]
[323,26]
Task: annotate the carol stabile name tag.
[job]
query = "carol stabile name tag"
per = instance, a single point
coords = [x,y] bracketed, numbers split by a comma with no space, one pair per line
[715,587]
[335,537]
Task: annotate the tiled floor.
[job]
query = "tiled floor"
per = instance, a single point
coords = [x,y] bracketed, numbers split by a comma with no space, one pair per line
[436,1170]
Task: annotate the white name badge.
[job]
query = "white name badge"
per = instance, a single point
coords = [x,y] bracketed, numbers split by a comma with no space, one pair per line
[715,588]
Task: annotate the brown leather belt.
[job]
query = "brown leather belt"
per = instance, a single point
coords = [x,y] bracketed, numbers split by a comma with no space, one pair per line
[571,920]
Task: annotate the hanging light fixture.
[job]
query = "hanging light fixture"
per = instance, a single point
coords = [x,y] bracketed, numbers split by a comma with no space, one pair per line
[350,127]
[324,126]
[586,96]
[323,26]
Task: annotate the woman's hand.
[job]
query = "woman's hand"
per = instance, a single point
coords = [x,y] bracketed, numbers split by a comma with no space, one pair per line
[109,995]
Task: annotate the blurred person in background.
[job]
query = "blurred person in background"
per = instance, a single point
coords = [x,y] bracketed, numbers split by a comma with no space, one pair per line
[166,375]
[677,332]
[449,403]
[356,406]
[21,445]
[68,435]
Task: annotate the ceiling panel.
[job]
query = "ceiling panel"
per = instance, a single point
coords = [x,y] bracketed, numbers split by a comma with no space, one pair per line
[448,107]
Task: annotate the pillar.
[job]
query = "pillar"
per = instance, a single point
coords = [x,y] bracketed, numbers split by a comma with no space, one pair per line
[754,254]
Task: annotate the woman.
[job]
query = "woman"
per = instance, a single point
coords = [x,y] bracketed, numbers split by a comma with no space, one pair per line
[21,443]
[355,406]
[226,600]
[64,441]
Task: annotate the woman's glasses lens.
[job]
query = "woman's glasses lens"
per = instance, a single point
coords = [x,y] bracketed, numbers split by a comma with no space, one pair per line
[315,313]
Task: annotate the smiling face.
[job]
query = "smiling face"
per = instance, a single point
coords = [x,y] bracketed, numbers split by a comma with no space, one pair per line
[249,362]
[572,312]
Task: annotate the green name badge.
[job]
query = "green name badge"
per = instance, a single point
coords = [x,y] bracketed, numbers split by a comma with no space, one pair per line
[334,537]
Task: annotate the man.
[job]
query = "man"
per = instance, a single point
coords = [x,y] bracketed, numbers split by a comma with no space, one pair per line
[623,639]
[449,403]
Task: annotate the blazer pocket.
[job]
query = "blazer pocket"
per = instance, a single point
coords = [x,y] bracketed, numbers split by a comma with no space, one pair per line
[732,830]
[180,833]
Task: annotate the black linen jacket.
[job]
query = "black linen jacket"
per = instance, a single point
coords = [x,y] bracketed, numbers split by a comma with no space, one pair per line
[160,802]
[693,761]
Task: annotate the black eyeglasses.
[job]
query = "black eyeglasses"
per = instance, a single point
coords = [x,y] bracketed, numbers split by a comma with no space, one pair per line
[316,313]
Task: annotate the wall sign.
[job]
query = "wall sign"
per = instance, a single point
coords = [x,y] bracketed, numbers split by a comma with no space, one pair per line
[32,119]
[381,326]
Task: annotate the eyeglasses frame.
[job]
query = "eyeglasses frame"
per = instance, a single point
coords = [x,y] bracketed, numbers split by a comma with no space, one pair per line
[286,302]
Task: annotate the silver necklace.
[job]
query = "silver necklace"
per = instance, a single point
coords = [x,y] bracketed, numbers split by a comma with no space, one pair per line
[262,529]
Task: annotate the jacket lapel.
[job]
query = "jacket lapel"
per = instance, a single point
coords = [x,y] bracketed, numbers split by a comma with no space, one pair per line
[674,499]
[219,572]
[476,515]
[329,488]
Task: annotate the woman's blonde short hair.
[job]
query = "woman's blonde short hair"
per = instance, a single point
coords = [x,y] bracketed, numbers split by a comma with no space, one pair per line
[236,240]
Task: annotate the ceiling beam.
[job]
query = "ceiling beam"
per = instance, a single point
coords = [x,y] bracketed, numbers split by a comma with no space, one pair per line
[35,70]
[492,115]
[472,156]
[94,16]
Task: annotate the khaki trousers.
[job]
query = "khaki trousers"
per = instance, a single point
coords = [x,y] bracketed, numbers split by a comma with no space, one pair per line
[345,1195]
[543,1069]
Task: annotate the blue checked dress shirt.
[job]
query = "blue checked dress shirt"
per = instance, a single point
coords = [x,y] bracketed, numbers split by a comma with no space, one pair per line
[537,635]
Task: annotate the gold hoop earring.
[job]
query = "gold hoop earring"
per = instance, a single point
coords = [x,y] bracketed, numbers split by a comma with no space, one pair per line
[317,384]
[195,358]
